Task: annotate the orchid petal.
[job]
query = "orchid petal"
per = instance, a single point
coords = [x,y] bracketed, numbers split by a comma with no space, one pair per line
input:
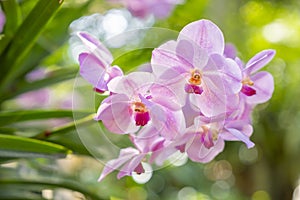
[115,115]
[165,58]
[110,166]
[129,167]
[259,61]
[132,84]
[205,34]
[96,47]
[264,87]
[92,70]
[197,151]
[241,136]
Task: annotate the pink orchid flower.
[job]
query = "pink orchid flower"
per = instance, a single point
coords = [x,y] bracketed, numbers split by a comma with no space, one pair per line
[95,65]
[138,101]
[194,66]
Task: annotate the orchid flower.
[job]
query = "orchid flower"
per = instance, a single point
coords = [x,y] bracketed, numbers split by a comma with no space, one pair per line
[258,86]
[194,66]
[137,101]
[95,65]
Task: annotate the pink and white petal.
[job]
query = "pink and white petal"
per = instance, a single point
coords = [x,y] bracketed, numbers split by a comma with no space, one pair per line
[197,152]
[205,34]
[116,115]
[130,166]
[96,47]
[110,166]
[224,72]
[240,136]
[92,69]
[264,86]
[132,84]
[190,52]
[259,61]
[240,125]
[165,58]
[166,97]
[212,101]
[230,51]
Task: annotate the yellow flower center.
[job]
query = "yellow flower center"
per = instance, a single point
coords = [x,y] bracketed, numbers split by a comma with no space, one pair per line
[247,81]
[195,77]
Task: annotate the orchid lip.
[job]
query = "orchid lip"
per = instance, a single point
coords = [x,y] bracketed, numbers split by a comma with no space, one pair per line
[141,114]
[190,88]
[248,91]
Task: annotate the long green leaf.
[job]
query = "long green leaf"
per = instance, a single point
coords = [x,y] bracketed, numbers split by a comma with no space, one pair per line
[13,19]
[67,128]
[56,76]
[24,39]
[26,115]
[15,147]
[53,183]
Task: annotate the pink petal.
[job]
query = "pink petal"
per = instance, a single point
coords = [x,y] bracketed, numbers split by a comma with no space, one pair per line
[264,86]
[110,166]
[205,34]
[93,70]
[165,58]
[241,136]
[129,167]
[224,72]
[132,84]
[96,47]
[116,116]
[197,151]
[166,97]
[259,61]
[2,20]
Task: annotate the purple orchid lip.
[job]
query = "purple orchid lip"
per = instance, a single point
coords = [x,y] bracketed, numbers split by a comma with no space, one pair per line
[249,91]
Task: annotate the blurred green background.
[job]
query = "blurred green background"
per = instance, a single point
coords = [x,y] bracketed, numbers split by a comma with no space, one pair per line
[43,157]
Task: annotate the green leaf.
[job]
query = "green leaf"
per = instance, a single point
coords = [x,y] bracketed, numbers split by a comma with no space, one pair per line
[68,127]
[13,19]
[56,76]
[10,117]
[51,183]
[24,39]
[20,147]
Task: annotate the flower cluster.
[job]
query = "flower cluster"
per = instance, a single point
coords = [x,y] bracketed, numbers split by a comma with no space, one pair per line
[195,95]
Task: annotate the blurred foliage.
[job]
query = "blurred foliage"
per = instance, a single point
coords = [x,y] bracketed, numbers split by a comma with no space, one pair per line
[32,146]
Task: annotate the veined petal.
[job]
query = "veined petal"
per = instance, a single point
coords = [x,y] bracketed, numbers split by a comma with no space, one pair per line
[197,151]
[166,97]
[241,136]
[130,166]
[92,70]
[224,72]
[165,58]
[259,61]
[96,47]
[116,116]
[212,101]
[205,34]
[264,87]
[132,84]
[110,166]
[190,52]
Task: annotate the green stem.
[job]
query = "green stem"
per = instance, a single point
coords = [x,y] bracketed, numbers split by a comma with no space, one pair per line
[66,128]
